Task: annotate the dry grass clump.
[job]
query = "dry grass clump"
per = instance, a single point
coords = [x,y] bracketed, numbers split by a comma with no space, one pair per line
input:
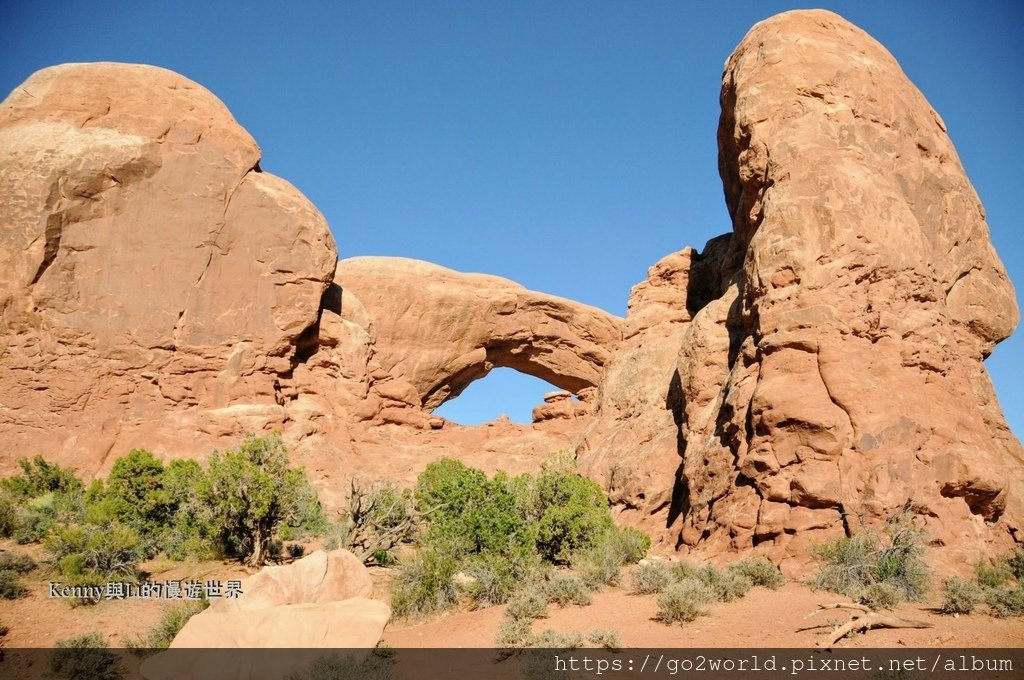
[850,565]
[605,638]
[759,571]
[651,578]
[531,603]
[686,589]
[85,656]
[999,584]
[564,589]
[684,601]
[961,596]
[170,624]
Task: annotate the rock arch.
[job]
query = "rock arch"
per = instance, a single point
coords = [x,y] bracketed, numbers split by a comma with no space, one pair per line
[438,330]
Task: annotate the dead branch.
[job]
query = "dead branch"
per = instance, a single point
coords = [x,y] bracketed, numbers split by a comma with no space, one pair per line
[839,605]
[377,519]
[864,620]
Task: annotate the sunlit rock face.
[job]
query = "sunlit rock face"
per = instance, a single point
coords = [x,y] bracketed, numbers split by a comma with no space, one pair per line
[155,284]
[816,369]
[838,376]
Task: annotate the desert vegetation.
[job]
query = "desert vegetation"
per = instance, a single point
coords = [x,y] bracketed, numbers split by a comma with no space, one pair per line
[685,590]
[998,587]
[239,505]
[85,656]
[880,570]
[877,569]
[489,540]
[172,620]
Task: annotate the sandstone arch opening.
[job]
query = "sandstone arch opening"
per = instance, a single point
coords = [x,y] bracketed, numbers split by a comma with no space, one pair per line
[503,391]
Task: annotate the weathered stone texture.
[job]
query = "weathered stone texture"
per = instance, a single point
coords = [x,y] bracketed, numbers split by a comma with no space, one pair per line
[154,281]
[818,368]
[868,297]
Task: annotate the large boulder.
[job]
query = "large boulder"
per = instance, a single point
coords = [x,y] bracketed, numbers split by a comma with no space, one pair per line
[317,578]
[321,601]
[154,282]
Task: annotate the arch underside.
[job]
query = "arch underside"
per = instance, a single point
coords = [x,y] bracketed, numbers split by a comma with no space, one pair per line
[530,360]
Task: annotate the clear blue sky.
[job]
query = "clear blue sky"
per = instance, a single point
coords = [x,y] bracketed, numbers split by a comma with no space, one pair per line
[565,145]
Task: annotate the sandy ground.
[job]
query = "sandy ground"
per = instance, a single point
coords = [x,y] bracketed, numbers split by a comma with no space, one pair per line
[38,620]
[764,618]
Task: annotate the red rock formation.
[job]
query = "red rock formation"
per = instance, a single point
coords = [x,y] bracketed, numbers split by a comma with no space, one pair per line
[837,375]
[157,287]
[437,330]
[818,368]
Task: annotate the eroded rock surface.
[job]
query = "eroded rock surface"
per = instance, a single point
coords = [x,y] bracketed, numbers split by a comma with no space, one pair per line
[818,368]
[837,376]
[155,283]
[436,330]
[633,445]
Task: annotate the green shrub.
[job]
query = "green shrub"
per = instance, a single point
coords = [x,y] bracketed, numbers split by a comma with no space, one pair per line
[250,492]
[760,571]
[32,525]
[172,620]
[11,587]
[38,478]
[848,564]
[1015,561]
[373,666]
[8,515]
[682,570]
[37,515]
[900,561]
[72,564]
[500,531]
[651,578]
[852,564]
[633,544]
[85,657]
[992,574]
[530,603]
[879,596]
[112,551]
[607,639]
[960,596]
[189,531]
[497,577]
[600,563]
[574,515]
[1005,601]
[684,601]
[425,584]
[565,589]
[469,513]
[134,493]
[17,562]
